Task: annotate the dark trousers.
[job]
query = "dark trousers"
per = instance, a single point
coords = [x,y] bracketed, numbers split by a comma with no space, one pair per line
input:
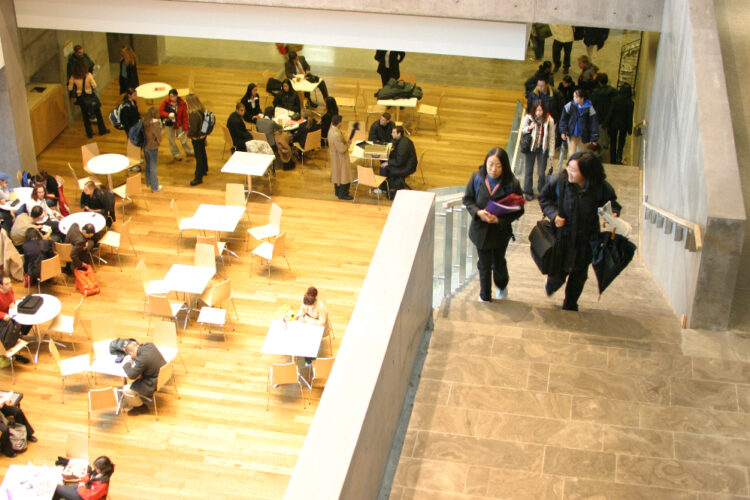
[323,91]
[540,157]
[493,267]
[576,279]
[560,46]
[617,138]
[20,418]
[201,161]
[6,220]
[538,46]
[67,493]
[87,123]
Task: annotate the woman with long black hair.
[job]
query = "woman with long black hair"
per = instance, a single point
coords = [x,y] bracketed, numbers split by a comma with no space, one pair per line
[251,101]
[491,233]
[287,98]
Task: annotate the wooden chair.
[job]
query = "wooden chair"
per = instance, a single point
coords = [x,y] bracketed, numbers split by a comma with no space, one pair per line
[270,230]
[19,178]
[212,316]
[227,140]
[312,143]
[166,373]
[284,374]
[67,324]
[419,166]
[165,339]
[70,366]
[10,353]
[350,102]
[161,306]
[234,196]
[218,249]
[321,369]
[104,399]
[150,287]
[267,251]
[219,295]
[132,187]
[372,109]
[133,153]
[183,223]
[259,136]
[89,151]
[82,181]
[114,240]
[433,111]
[63,250]
[366,177]
[205,255]
[51,268]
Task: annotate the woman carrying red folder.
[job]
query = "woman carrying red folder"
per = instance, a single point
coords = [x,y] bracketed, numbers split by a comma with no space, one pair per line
[494,181]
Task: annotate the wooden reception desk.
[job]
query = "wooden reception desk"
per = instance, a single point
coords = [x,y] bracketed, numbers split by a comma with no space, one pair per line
[47,113]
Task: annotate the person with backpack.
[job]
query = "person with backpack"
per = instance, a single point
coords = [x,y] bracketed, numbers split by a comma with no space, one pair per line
[570,201]
[10,415]
[152,134]
[127,111]
[173,112]
[197,135]
[93,486]
[579,123]
[494,180]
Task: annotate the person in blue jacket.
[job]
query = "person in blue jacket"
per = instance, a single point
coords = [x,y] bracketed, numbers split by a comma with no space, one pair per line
[579,123]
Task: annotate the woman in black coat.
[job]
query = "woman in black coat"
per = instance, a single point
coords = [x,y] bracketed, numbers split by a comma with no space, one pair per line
[493,181]
[332,109]
[252,104]
[570,200]
[128,69]
[619,122]
[287,98]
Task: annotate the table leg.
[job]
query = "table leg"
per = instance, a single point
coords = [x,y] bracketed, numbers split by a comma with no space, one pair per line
[109,181]
[250,191]
[38,343]
[120,397]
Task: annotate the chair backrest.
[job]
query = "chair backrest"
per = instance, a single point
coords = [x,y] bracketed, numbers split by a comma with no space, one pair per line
[158,305]
[219,293]
[322,367]
[234,196]
[133,185]
[125,230]
[205,255]
[440,101]
[360,135]
[284,373]
[227,135]
[77,314]
[101,327]
[102,399]
[73,173]
[50,268]
[19,177]
[165,334]
[165,373]
[143,273]
[274,218]
[89,151]
[132,151]
[63,250]
[175,212]
[312,140]
[77,446]
[279,246]
[209,240]
[365,176]
[259,136]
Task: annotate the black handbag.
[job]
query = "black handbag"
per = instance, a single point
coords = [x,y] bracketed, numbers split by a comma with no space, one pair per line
[10,332]
[89,101]
[30,304]
[546,247]
[526,142]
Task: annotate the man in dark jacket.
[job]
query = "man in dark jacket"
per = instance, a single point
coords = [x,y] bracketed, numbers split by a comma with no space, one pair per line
[237,129]
[601,99]
[77,56]
[388,64]
[381,131]
[129,114]
[145,363]
[83,243]
[99,200]
[297,65]
[401,163]
[589,70]
[579,123]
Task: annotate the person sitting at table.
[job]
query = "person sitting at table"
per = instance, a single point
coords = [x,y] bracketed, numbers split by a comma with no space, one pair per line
[99,200]
[143,368]
[266,125]
[314,312]
[296,65]
[8,298]
[23,222]
[14,413]
[381,130]
[309,125]
[39,198]
[401,163]
[82,240]
[50,184]
[251,101]
[93,486]
[237,129]
[287,98]
[332,109]
[35,249]
[6,217]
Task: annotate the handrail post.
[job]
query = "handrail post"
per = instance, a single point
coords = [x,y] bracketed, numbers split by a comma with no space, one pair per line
[448,252]
[461,244]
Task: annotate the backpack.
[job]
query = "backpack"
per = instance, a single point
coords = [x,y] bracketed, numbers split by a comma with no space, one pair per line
[16,434]
[209,120]
[117,346]
[136,135]
[10,332]
[86,281]
[114,117]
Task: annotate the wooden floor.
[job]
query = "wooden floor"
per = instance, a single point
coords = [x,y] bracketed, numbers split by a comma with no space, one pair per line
[217,440]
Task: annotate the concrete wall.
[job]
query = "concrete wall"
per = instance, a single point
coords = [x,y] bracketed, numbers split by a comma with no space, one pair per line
[691,167]
[349,440]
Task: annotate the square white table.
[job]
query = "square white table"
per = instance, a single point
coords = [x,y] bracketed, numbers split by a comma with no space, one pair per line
[30,482]
[188,279]
[399,103]
[250,164]
[106,363]
[293,338]
[108,164]
[301,85]
[219,218]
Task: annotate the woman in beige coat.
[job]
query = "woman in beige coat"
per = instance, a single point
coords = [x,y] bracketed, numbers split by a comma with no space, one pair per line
[341,167]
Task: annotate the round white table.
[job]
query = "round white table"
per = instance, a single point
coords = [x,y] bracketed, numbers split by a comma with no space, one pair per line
[22,194]
[49,310]
[153,90]
[82,218]
[108,164]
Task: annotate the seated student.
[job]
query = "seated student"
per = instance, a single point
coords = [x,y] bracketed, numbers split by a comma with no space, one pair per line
[266,125]
[143,369]
[23,222]
[8,297]
[99,200]
[10,412]
[6,218]
[39,198]
[310,125]
[296,65]
[93,486]
[237,129]
[35,250]
[251,101]
[50,184]
[313,311]
[287,98]
[401,163]
[82,240]
[381,130]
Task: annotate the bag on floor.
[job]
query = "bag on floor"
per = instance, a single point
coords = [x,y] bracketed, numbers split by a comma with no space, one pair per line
[17,435]
[10,332]
[86,281]
[209,120]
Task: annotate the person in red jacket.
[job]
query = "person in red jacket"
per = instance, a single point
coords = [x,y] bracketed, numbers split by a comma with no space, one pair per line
[92,486]
[173,112]
[8,298]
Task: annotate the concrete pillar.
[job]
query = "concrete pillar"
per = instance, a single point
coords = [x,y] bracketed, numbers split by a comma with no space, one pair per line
[16,140]
[147,48]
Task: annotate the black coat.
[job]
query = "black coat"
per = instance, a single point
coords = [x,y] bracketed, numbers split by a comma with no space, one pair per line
[252,108]
[402,161]
[129,114]
[101,200]
[287,100]
[394,60]
[379,133]
[589,121]
[601,99]
[239,132]
[80,243]
[34,252]
[620,115]
[147,364]
[130,81]
[486,236]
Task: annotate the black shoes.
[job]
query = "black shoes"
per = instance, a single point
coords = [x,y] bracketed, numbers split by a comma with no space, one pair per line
[138,410]
[195,182]
[31,439]
[21,359]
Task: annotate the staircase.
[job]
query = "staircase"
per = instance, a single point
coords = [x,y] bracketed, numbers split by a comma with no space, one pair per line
[521,400]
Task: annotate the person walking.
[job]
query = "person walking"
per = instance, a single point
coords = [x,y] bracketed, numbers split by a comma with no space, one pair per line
[341,167]
[196,112]
[152,131]
[540,124]
[620,122]
[601,99]
[173,112]
[562,35]
[389,62]
[579,123]
[570,200]
[128,69]
[490,233]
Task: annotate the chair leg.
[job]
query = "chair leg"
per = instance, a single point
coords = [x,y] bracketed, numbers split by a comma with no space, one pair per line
[355,191]
[156,410]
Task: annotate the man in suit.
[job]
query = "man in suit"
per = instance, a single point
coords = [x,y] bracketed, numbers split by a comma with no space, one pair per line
[144,365]
[388,64]
[237,129]
[297,65]
[401,162]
